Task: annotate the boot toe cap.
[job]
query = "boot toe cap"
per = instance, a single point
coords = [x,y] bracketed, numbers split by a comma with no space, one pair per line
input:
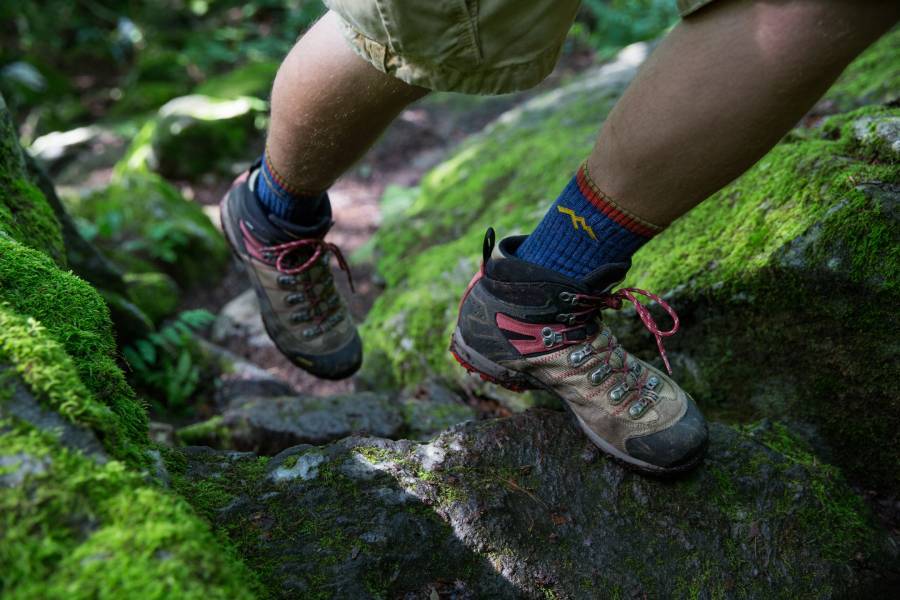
[676,448]
[339,364]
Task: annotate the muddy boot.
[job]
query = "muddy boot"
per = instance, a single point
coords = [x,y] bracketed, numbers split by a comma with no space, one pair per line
[526,327]
[288,267]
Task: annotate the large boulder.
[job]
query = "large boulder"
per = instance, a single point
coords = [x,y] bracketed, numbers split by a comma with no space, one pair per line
[526,507]
[195,135]
[82,514]
[786,280]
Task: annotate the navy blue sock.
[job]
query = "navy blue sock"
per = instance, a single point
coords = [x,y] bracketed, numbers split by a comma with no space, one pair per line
[584,230]
[281,200]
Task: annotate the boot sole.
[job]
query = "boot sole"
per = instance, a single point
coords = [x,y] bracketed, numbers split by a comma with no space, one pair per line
[490,371]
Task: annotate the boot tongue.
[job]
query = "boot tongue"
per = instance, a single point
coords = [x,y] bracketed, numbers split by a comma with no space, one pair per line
[602,279]
[289,231]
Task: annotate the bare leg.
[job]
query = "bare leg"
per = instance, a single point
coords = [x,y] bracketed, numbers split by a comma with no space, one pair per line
[328,106]
[723,87]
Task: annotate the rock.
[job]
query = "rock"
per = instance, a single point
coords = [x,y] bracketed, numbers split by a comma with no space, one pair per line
[24,407]
[195,135]
[527,507]
[785,281]
[273,418]
[145,225]
[881,134]
[269,424]
[68,155]
[241,319]
[235,377]
[162,433]
[430,408]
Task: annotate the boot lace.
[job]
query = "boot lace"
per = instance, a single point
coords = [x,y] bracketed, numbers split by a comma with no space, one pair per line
[308,252]
[635,377]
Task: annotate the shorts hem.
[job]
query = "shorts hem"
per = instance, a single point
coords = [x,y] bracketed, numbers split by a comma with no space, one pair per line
[441,78]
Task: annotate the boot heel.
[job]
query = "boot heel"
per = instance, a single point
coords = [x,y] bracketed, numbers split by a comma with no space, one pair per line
[473,362]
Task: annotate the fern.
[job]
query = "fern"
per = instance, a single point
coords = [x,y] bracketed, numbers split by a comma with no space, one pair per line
[163,362]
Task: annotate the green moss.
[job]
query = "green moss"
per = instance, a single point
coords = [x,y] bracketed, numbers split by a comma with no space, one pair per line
[58,335]
[77,529]
[25,215]
[144,224]
[794,186]
[209,432]
[872,78]
[838,519]
[156,294]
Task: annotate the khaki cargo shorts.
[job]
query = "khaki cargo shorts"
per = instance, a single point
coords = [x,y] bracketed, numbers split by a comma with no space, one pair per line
[469,46]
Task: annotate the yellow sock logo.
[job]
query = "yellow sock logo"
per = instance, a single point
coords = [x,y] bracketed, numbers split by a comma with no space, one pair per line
[577,222]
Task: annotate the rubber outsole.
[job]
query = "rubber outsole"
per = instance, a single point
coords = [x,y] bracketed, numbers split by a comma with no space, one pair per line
[492,372]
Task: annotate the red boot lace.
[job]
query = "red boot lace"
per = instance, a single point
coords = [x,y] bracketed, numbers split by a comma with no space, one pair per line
[284,251]
[615,301]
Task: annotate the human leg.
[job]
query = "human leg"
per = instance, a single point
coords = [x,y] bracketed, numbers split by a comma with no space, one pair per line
[531,317]
[720,90]
[328,107]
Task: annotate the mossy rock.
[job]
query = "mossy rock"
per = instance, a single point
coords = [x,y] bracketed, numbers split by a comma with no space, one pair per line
[197,135]
[786,279]
[24,214]
[527,507]
[80,514]
[872,79]
[75,527]
[156,294]
[145,225]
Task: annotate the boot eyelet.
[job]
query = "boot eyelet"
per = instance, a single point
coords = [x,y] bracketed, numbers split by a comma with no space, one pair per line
[567,318]
[287,280]
[652,382]
[578,357]
[637,410]
[600,375]
[295,298]
[617,394]
[300,316]
[551,338]
[567,297]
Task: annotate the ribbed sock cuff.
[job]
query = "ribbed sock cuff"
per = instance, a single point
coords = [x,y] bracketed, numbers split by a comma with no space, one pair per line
[584,230]
[279,198]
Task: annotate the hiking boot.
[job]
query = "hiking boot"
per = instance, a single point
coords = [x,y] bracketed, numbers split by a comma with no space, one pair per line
[526,327]
[288,267]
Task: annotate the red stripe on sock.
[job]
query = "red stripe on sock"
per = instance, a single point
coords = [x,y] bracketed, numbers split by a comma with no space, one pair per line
[280,180]
[610,210]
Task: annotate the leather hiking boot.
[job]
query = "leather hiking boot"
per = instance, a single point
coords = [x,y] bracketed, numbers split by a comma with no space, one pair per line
[288,267]
[526,327]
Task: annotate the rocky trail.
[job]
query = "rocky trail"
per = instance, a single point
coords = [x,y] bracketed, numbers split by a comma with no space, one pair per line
[413,480]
